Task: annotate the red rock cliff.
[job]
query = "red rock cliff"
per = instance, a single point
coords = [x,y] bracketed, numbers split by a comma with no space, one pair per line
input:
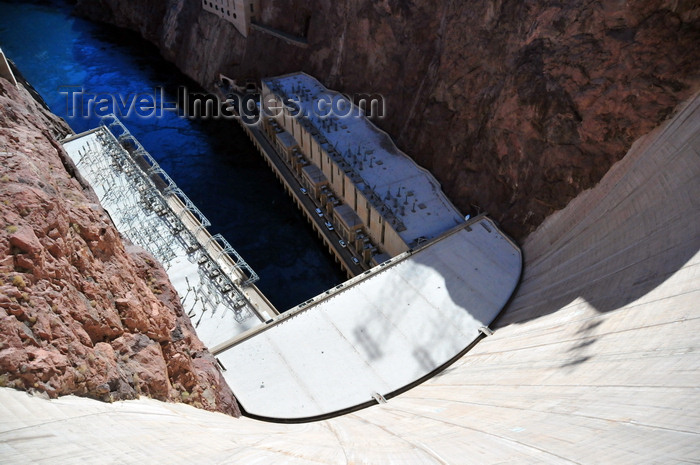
[515,106]
[80,312]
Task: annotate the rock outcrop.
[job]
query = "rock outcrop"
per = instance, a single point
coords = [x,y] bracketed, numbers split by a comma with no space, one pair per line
[532,101]
[80,312]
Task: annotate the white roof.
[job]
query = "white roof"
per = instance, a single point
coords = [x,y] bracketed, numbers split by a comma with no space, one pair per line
[214,320]
[377,334]
[595,361]
[409,192]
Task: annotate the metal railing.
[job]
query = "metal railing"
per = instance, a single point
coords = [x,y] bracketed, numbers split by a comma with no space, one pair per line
[151,210]
[153,170]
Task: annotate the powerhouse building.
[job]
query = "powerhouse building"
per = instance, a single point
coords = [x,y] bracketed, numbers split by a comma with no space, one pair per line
[379,200]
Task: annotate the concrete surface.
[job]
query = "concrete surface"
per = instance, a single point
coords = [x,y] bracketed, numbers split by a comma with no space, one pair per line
[5,70]
[595,361]
[379,332]
[215,317]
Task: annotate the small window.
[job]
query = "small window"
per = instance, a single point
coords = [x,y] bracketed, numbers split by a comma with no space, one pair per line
[234,16]
[251,8]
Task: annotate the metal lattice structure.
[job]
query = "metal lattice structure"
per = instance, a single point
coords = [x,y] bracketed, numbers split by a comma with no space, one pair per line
[150,210]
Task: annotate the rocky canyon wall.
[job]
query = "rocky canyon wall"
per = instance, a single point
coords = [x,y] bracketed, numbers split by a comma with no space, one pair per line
[80,312]
[515,106]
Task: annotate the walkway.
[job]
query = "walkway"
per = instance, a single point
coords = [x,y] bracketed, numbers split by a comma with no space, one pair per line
[288,38]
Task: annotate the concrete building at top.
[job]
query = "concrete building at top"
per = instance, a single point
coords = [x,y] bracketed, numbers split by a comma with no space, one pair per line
[240,13]
[378,199]
[6,70]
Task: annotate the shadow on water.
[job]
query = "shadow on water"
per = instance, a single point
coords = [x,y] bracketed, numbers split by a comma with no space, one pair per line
[212,161]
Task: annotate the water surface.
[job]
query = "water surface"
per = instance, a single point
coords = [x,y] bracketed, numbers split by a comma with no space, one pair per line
[213,162]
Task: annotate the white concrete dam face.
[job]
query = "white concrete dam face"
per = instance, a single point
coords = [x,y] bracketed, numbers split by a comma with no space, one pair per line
[595,360]
[378,334]
[360,342]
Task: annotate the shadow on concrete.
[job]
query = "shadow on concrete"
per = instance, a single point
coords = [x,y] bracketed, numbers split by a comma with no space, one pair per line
[623,239]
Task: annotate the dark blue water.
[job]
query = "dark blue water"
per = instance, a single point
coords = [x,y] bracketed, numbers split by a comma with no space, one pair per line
[212,161]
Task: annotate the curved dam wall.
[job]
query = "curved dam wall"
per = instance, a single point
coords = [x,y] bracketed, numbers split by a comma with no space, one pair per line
[594,361]
[348,348]
[381,332]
